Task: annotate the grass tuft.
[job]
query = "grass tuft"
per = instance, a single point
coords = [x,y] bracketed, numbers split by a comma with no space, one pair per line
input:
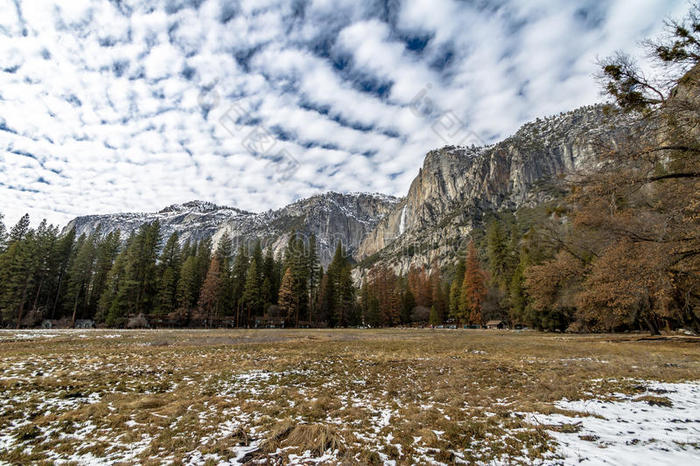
[316,438]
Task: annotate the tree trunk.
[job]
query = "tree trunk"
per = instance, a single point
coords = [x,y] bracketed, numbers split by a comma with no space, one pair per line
[21,304]
[58,293]
[296,315]
[653,328]
[75,310]
[691,319]
[38,292]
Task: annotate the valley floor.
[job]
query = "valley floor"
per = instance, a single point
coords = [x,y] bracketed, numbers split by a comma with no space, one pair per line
[394,396]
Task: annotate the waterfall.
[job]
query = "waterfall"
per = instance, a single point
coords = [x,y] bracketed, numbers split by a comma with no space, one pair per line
[402,222]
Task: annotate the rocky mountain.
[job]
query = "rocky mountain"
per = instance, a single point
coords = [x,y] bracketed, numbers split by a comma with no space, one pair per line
[332,217]
[453,190]
[457,185]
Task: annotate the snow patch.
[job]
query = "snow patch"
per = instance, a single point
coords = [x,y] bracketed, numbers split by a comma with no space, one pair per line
[629,430]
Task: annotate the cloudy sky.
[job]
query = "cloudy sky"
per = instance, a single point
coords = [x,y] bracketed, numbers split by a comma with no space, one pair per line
[109,106]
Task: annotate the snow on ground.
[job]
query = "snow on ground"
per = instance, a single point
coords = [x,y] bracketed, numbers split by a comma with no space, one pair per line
[630,430]
[659,424]
[25,334]
[35,334]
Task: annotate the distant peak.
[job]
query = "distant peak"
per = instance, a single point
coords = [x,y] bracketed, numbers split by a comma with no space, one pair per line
[350,195]
[199,206]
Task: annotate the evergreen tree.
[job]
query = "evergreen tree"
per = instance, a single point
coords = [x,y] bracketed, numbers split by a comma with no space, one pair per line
[325,300]
[187,288]
[106,252]
[20,230]
[169,265]
[252,293]
[364,298]
[18,267]
[140,283]
[271,280]
[290,251]
[61,257]
[240,269]
[345,302]
[296,262]
[408,303]
[224,254]
[434,318]
[187,250]
[439,297]
[314,266]
[114,303]
[80,276]
[498,254]
[335,297]
[46,238]
[374,316]
[456,290]
[300,275]
[203,258]
[170,255]
[224,248]
[258,258]
[517,292]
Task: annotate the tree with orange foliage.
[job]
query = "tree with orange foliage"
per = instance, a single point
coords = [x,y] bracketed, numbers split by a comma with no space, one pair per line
[211,291]
[473,288]
[642,201]
[627,286]
[383,284]
[420,286]
[288,300]
[552,287]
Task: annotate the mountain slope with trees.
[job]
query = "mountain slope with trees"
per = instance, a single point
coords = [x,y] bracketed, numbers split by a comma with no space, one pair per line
[332,217]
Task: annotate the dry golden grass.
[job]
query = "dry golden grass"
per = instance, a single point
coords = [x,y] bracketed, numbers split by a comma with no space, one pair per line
[357,395]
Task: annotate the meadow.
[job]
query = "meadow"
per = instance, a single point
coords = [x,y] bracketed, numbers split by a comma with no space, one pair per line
[357,396]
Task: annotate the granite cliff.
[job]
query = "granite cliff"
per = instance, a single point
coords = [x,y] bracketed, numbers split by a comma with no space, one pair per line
[457,185]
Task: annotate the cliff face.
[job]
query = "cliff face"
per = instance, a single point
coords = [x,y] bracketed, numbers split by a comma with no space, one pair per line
[332,217]
[457,184]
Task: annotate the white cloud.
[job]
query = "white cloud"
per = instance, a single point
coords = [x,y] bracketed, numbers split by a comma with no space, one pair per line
[110,107]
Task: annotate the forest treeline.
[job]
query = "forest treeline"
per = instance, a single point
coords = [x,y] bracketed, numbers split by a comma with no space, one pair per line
[619,251]
[112,280]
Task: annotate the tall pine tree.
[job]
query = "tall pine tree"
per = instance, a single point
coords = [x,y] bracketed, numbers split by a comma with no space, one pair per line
[252,293]
[169,264]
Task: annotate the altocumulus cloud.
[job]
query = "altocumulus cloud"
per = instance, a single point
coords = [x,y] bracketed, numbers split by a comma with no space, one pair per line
[109,106]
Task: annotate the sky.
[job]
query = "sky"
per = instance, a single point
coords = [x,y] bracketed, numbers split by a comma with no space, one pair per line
[114,106]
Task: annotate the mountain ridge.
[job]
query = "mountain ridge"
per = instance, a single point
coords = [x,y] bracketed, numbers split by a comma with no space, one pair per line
[444,203]
[331,216]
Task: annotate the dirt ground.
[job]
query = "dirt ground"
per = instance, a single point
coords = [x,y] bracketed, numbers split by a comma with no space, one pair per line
[394,396]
